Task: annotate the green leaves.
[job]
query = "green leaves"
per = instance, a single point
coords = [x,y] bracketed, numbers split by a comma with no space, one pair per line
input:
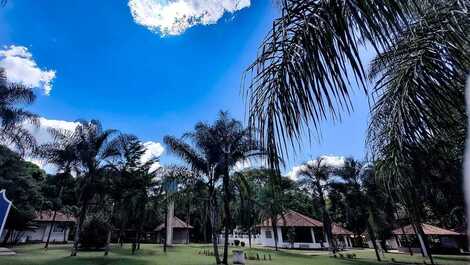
[307,62]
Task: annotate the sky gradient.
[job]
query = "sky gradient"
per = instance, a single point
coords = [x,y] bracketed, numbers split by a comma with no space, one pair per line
[111,66]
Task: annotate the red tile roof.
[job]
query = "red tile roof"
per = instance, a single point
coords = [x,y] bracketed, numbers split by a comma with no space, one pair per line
[428,230]
[339,230]
[295,219]
[47,216]
[176,223]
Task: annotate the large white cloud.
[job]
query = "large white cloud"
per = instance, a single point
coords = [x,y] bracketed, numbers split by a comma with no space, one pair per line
[153,150]
[21,67]
[328,160]
[173,17]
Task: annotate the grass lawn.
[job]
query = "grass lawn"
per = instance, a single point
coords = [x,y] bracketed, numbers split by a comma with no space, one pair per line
[189,255]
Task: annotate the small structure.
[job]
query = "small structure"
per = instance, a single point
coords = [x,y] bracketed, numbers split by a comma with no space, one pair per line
[181,231]
[296,230]
[44,223]
[440,240]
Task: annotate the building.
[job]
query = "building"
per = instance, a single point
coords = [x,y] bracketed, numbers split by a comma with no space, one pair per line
[306,232]
[181,231]
[440,240]
[239,235]
[43,222]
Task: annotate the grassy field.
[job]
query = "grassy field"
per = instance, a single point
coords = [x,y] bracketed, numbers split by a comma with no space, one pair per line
[189,255]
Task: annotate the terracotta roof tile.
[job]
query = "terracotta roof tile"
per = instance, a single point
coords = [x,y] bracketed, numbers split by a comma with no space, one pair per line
[176,223]
[47,216]
[428,230]
[295,219]
[339,230]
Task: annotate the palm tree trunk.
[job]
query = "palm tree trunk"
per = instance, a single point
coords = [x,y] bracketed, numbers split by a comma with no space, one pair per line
[326,220]
[371,233]
[108,242]
[213,222]
[78,229]
[50,230]
[274,227]
[227,216]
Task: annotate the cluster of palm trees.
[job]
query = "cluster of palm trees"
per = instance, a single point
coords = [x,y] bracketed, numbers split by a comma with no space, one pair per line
[312,55]
[212,151]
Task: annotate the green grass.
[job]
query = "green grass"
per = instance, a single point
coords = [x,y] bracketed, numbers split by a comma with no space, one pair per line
[189,255]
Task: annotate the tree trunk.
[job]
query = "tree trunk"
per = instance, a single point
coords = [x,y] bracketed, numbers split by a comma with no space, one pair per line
[166,231]
[213,217]
[78,229]
[50,230]
[274,227]
[424,242]
[371,233]
[227,215]
[326,220]
[108,242]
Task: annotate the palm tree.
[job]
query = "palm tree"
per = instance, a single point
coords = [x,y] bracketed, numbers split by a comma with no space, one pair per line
[130,182]
[12,116]
[315,175]
[61,153]
[306,63]
[215,151]
[91,145]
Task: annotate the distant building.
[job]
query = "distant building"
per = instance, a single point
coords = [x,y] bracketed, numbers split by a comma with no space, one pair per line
[441,240]
[43,221]
[181,231]
[307,233]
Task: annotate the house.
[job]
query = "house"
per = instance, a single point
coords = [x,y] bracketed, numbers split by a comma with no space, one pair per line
[440,240]
[181,231]
[43,222]
[239,235]
[306,232]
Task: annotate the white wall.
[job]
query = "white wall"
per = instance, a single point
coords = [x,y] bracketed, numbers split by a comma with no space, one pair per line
[40,234]
[269,242]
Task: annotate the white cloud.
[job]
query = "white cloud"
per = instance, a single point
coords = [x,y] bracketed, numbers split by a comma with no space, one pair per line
[173,17]
[153,150]
[21,67]
[42,136]
[328,160]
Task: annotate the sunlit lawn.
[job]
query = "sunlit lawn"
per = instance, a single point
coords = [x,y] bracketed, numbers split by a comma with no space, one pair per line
[189,255]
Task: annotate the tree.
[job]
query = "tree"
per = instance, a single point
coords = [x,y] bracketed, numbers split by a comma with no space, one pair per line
[22,181]
[218,147]
[90,144]
[130,182]
[12,116]
[61,153]
[315,175]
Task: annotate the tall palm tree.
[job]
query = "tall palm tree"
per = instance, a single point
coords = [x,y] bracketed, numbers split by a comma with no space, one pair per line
[215,150]
[12,116]
[61,153]
[315,176]
[91,145]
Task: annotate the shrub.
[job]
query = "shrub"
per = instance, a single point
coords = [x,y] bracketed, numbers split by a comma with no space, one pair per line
[94,233]
[236,242]
[242,244]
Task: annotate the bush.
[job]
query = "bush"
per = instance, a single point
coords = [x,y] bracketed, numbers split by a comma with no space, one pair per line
[94,233]
[236,242]
[242,244]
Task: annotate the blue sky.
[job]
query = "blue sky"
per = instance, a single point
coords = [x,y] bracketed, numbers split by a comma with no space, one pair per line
[110,67]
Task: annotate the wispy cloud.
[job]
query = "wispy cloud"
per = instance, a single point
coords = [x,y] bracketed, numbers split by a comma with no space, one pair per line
[173,17]
[21,67]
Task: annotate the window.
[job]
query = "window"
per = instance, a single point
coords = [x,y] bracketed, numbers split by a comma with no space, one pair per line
[58,228]
[299,234]
[269,234]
